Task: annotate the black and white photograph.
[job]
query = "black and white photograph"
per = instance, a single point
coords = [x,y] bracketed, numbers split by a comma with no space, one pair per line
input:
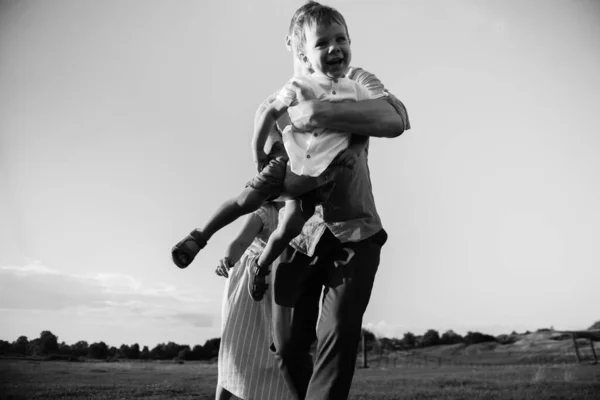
[300,200]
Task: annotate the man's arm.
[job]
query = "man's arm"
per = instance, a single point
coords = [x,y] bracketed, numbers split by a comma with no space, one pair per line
[366,118]
[385,117]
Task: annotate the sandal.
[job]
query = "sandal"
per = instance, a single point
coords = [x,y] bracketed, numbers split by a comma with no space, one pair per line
[257,284]
[183,253]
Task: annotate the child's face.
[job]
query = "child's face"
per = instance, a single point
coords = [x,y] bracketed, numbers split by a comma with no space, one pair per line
[327,50]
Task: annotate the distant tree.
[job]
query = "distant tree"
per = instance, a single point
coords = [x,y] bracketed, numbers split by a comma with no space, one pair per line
[145,353]
[113,352]
[80,348]
[98,350]
[34,348]
[48,343]
[389,344]
[595,325]
[409,340]
[21,345]
[185,347]
[211,347]
[478,337]
[197,353]
[5,347]
[430,338]
[167,351]
[183,353]
[64,348]
[171,350]
[507,339]
[158,353]
[369,336]
[395,344]
[134,351]
[451,337]
[124,351]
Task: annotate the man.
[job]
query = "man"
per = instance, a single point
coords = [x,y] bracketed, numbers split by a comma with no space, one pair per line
[337,254]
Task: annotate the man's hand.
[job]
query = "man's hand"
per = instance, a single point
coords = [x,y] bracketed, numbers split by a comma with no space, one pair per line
[261,159]
[225,264]
[303,113]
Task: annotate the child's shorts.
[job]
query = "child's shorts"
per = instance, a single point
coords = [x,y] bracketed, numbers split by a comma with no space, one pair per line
[269,181]
[279,183]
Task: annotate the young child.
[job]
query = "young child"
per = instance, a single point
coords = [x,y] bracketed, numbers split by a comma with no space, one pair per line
[323,45]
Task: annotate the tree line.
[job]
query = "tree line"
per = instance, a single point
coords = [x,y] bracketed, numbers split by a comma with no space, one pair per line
[48,345]
[433,338]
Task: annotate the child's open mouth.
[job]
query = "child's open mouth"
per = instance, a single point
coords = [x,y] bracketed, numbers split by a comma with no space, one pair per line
[335,62]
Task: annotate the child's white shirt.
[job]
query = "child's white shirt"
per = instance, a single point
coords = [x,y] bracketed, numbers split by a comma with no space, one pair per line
[310,153]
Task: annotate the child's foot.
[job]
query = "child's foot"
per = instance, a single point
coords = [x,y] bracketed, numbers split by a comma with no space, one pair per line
[257,284]
[183,253]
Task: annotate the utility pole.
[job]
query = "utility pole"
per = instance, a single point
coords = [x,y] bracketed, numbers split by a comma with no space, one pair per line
[364,349]
[576,348]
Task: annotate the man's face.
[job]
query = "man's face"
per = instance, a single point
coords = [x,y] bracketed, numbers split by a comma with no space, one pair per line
[327,50]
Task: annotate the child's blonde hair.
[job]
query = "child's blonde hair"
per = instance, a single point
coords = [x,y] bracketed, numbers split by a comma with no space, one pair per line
[312,13]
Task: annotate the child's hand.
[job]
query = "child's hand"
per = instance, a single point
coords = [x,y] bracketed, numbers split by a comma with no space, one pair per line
[303,111]
[225,264]
[261,159]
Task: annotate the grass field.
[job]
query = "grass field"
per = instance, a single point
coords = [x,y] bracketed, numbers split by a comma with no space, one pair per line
[26,379]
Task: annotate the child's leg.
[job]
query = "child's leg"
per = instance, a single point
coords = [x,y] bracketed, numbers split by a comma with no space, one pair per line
[249,200]
[295,216]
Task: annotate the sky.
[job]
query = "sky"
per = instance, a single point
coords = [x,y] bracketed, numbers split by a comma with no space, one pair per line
[123,124]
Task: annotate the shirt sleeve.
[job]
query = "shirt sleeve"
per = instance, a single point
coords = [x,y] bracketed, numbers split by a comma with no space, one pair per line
[275,133]
[287,95]
[312,231]
[372,88]
[375,89]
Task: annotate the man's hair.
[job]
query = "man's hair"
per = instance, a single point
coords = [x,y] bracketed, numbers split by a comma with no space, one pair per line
[310,14]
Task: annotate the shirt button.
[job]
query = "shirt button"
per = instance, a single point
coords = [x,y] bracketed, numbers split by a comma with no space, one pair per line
[308,156]
[335,81]
[315,134]
[333,92]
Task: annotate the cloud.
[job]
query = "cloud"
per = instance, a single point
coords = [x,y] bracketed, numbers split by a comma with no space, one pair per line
[30,269]
[383,329]
[38,287]
[117,283]
[194,319]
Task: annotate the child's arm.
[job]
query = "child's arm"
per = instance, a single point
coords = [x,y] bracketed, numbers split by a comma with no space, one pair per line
[252,227]
[263,126]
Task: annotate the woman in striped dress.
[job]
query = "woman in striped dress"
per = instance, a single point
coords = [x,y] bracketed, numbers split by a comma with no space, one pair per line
[247,368]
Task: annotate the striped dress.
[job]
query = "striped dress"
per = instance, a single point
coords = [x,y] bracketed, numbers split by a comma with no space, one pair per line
[247,368]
